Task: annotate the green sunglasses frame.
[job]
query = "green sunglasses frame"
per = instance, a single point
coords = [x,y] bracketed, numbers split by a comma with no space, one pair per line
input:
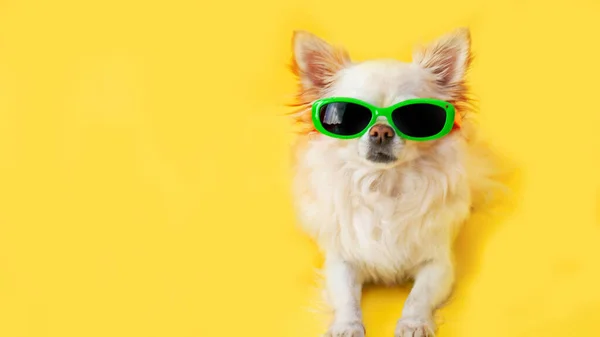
[385,112]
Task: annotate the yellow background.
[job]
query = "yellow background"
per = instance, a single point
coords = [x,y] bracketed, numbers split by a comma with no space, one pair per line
[144,166]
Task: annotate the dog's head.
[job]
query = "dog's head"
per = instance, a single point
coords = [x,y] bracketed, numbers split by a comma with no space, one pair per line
[436,71]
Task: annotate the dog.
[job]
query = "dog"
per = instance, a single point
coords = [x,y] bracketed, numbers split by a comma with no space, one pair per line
[386,213]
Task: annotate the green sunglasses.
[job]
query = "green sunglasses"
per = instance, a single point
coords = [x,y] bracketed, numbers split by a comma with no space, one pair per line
[417,119]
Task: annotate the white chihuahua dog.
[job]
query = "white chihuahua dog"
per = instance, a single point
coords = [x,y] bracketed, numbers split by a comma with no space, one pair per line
[386,211]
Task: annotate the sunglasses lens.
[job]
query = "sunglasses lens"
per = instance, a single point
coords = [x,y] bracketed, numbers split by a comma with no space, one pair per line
[344,119]
[420,120]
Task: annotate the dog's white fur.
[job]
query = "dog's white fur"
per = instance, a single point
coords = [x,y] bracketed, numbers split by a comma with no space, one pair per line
[385,223]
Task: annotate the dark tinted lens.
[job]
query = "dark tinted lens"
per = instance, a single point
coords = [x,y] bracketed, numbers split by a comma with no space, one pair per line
[344,119]
[419,120]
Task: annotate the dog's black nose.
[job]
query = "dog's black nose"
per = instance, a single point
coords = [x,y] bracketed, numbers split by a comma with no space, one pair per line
[381,134]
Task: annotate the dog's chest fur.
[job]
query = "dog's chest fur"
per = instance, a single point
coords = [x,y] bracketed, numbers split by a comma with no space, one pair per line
[385,221]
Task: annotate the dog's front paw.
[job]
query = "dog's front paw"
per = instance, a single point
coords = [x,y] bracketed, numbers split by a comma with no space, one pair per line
[348,329]
[410,327]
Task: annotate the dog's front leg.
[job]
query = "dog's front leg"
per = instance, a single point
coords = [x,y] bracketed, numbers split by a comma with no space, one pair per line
[344,289]
[433,284]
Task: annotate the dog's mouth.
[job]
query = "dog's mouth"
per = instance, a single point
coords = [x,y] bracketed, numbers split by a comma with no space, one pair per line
[380,157]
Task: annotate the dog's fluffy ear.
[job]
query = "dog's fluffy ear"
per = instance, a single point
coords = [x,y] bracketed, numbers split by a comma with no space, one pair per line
[315,62]
[448,59]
